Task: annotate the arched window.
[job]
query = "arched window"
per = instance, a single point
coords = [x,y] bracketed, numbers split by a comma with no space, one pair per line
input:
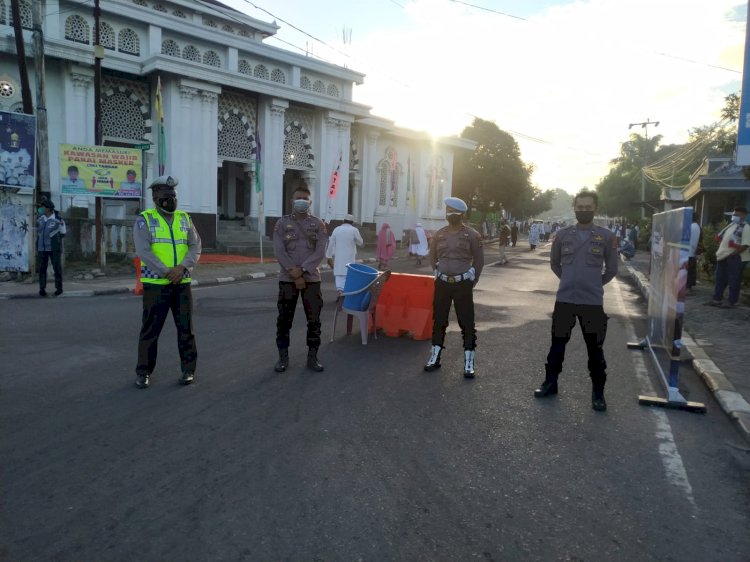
[170,47]
[191,53]
[277,75]
[227,28]
[318,86]
[26,19]
[179,14]
[211,58]
[389,173]
[261,72]
[76,29]
[332,90]
[305,84]
[245,67]
[128,42]
[106,36]
[233,139]
[160,8]
[122,117]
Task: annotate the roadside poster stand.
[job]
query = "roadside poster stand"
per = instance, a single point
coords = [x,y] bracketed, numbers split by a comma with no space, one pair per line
[670,245]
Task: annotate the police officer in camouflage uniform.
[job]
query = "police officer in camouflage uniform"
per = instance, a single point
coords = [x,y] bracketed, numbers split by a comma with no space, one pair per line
[299,242]
[169,247]
[584,257]
[457,259]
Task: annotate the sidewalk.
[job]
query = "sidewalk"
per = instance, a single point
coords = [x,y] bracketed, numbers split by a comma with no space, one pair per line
[716,340]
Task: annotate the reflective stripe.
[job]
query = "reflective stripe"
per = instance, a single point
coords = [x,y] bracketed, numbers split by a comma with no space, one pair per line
[168,243]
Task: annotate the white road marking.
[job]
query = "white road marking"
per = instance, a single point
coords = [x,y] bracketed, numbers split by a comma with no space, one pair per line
[670,456]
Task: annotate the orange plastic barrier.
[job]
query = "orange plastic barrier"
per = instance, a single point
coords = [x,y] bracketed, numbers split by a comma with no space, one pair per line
[138,284]
[405,306]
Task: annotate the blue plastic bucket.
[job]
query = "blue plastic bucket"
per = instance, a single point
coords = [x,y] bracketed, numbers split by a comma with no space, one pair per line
[358,276]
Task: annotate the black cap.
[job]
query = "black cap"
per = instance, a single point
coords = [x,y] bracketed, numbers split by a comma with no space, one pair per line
[48,204]
[740,210]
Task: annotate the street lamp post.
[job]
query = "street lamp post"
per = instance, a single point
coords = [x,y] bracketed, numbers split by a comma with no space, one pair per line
[644,125]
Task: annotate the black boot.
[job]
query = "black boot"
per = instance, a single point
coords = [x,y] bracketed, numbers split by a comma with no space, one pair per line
[598,402]
[283,361]
[433,363]
[312,360]
[187,378]
[142,381]
[549,386]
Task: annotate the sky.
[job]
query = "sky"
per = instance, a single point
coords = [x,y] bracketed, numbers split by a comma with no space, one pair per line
[565,78]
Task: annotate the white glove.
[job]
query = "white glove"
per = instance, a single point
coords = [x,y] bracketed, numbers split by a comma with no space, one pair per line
[437,274]
[471,274]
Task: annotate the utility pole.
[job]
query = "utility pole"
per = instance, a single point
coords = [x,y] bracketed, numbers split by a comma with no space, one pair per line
[28,104]
[644,125]
[98,56]
[42,153]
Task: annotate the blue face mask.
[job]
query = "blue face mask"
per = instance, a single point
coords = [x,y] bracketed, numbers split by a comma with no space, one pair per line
[301,205]
[736,219]
[40,210]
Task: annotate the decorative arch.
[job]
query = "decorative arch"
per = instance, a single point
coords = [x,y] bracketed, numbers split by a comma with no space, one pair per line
[261,72]
[26,19]
[277,75]
[332,90]
[245,67]
[305,83]
[124,115]
[129,43]
[212,58]
[77,29]
[191,53]
[170,47]
[389,175]
[106,36]
[236,138]
[297,147]
[319,86]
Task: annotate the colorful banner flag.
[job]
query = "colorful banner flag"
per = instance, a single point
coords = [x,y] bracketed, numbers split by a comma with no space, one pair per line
[333,187]
[162,152]
[102,171]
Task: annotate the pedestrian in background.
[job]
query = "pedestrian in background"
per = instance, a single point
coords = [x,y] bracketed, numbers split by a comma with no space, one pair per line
[534,235]
[385,246]
[457,260]
[731,256]
[579,254]
[514,234]
[169,247]
[342,250]
[503,237]
[299,242]
[50,230]
[420,248]
[696,249]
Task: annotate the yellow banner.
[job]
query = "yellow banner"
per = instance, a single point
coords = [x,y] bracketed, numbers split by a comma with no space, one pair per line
[101,171]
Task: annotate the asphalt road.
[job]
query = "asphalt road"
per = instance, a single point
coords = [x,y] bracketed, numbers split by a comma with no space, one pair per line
[372,459]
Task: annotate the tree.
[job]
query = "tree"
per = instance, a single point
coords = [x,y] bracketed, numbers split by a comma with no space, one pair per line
[494,175]
[621,187]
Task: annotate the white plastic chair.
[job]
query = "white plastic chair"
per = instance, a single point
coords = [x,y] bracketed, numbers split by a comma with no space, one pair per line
[362,315]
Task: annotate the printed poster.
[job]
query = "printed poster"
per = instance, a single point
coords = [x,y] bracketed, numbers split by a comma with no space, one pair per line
[15,231]
[17,151]
[101,171]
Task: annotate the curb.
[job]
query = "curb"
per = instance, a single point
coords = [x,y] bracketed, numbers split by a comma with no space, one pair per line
[731,401]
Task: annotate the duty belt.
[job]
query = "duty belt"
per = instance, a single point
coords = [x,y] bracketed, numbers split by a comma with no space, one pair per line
[454,278]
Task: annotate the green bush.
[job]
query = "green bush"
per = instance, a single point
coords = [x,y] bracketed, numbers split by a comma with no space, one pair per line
[707,260]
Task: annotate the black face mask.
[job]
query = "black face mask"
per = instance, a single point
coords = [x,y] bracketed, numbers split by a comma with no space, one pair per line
[453,219]
[585,217]
[168,204]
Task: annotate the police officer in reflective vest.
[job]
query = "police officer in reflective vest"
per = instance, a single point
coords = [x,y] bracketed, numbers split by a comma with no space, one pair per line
[584,257]
[169,247]
[299,242]
[457,259]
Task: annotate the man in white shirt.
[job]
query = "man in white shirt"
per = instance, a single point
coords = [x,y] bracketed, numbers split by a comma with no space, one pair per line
[342,249]
[695,237]
[731,257]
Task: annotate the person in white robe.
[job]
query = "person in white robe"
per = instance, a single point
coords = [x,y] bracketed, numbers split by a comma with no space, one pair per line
[342,249]
[421,248]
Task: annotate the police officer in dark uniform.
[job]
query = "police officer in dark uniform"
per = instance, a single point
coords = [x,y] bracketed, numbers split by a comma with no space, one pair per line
[299,242]
[584,257]
[457,259]
[169,248]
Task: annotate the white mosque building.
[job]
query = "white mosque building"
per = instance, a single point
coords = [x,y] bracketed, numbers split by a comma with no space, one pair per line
[224,89]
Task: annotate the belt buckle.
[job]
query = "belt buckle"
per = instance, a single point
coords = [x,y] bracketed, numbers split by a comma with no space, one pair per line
[451,279]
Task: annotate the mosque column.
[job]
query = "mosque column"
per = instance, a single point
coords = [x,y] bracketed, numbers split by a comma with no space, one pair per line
[369,167]
[271,113]
[205,176]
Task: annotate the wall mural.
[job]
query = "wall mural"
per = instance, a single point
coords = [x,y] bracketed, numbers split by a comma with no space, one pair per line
[15,230]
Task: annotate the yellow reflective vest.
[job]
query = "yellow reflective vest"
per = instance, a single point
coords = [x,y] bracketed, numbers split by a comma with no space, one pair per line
[168,243]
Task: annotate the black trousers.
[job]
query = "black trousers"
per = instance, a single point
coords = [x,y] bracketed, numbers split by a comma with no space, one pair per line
[158,300]
[312,302]
[462,296]
[43,259]
[593,323]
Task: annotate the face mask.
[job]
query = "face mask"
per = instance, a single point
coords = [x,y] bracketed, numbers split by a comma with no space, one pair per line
[300,205]
[168,204]
[736,219]
[453,218]
[40,210]
[585,217]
